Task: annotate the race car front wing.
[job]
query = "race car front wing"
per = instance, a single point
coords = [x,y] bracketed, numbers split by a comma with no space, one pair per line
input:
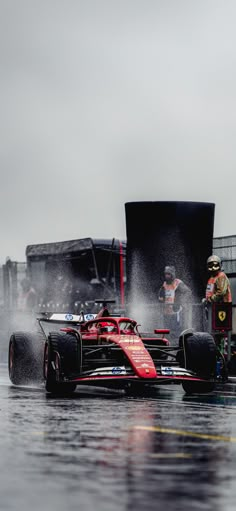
[164,374]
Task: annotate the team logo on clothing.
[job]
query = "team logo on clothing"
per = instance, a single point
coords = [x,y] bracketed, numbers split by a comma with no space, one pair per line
[222,315]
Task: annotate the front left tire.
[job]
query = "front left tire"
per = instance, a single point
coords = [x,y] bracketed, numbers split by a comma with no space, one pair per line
[62,358]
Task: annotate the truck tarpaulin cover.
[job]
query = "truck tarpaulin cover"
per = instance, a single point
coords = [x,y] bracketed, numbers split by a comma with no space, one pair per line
[72,246]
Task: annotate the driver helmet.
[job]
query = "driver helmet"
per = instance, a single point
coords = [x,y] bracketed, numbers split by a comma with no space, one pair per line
[213,263]
[171,271]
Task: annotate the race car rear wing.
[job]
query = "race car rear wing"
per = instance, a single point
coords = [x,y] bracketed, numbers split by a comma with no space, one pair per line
[66,317]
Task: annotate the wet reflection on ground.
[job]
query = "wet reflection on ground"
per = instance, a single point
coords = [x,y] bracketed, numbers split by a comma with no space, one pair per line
[117,453]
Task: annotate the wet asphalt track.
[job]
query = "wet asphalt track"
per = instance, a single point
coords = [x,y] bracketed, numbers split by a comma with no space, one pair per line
[110,453]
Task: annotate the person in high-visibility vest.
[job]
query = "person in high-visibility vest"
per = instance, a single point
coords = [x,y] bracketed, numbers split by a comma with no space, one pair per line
[218,285]
[175,295]
[173,291]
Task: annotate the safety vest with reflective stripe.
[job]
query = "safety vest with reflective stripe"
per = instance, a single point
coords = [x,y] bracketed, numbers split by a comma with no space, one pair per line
[169,290]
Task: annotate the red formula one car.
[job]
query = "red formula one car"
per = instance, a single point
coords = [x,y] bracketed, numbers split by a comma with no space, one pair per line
[109,351]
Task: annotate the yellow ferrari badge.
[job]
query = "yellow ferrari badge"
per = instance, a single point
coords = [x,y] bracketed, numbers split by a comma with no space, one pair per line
[222,315]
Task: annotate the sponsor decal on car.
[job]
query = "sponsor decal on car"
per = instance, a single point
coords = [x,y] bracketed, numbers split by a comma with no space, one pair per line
[176,371]
[131,340]
[87,317]
[65,317]
[69,317]
[167,371]
[134,348]
[109,371]
[117,370]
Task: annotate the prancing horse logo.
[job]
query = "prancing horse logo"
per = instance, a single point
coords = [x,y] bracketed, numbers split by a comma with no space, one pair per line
[222,315]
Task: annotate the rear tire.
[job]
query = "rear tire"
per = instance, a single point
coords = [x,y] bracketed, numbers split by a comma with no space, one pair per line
[62,358]
[25,357]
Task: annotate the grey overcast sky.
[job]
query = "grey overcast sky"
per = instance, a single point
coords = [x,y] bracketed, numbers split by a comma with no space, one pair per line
[111,101]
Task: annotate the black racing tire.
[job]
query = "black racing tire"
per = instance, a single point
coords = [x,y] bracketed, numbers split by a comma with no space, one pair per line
[195,387]
[62,353]
[198,354]
[25,357]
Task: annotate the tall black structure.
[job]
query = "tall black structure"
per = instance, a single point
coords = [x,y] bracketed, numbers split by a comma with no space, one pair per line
[167,233]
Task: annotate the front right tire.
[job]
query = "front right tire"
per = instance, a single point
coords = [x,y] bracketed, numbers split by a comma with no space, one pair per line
[198,353]
[196,387]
